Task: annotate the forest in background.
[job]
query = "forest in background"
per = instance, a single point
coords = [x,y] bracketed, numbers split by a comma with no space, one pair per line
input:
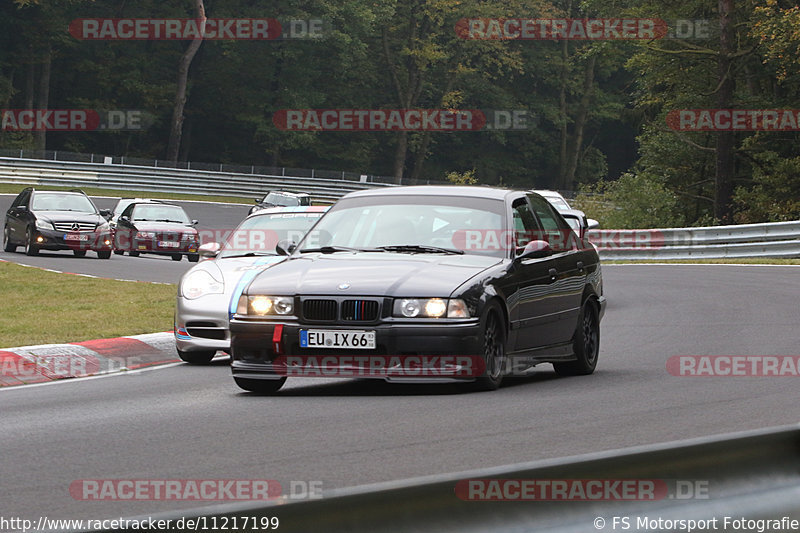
[599,106]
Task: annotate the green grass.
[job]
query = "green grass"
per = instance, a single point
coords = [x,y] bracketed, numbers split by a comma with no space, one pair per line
[41,307]
[732,261]
[15,188]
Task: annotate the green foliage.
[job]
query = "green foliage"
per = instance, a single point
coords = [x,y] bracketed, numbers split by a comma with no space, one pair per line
[775,193]
[634,201]
[462,178]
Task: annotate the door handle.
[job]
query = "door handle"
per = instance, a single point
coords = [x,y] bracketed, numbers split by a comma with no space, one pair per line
[553,273]
[579,265]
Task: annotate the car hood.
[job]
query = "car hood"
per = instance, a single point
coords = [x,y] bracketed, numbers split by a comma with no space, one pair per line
[69,216]
[145,225]
[371,274]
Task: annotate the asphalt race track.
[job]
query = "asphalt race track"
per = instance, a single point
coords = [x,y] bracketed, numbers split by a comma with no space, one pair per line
[212,218]
[184,422]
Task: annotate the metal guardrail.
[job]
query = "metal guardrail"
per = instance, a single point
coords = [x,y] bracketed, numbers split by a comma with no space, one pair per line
[169,180]
[773,240]
[751,475]
[770,240]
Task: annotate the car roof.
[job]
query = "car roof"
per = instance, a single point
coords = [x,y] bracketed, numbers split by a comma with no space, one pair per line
[287,193]
[290,209]
[475,191]
[154,202]
[547,192]
[49,191]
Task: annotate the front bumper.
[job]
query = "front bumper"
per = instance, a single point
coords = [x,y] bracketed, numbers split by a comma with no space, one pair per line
[202,323]
[84,240]
[153,246]
[255,346]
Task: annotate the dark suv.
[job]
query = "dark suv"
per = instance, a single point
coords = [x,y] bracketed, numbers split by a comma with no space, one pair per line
[281,199]
[56,220]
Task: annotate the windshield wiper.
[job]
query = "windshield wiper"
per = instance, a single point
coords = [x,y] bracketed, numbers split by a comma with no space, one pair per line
[421,249]
[168,220]
[334,249]
[249,254]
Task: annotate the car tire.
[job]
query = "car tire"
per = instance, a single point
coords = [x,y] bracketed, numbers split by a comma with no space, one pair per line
[197,358]
[119,252]
[193,258]
[7,246]
[585,344]
[176,257]
[104,254]
[30,247]
[261,386]
[494,350]
[79,253]
[133,254]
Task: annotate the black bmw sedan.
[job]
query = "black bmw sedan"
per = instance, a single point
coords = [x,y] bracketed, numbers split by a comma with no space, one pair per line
[430,284]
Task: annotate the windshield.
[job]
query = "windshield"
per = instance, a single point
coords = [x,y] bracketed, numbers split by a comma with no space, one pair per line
[62,202]
[160,213]
[281,199]
[406,222]
[258,235]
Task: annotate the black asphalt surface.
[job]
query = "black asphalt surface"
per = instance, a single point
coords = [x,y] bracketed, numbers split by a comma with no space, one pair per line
[213,219]
[184,422]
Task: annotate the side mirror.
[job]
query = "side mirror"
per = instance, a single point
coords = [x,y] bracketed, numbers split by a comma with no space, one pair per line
[593,224]
[285,247]
[106,213]
[209,250]
[536,250]
[194,222]
[577,223]
[124,218]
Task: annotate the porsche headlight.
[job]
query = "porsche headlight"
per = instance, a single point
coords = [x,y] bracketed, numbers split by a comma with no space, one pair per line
[104,227]
[200,283]
[43,224]
[260,305]
[430,308]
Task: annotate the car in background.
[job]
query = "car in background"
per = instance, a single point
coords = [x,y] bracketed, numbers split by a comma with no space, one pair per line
[205,292]
[56,220]
[558,201]
[122,203]
[424,272]
[156,228]
[281,198]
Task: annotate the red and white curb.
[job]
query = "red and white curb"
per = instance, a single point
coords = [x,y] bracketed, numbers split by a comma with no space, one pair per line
[49,362]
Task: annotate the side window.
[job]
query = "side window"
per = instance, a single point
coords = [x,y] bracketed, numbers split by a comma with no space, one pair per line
[525,226]
[128,211]
[557,232]
[22,199]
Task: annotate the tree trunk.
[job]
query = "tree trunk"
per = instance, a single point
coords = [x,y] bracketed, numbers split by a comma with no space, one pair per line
[562,111]
[43,97]
[581,118]
[400,156]
[725,140]
[176,126]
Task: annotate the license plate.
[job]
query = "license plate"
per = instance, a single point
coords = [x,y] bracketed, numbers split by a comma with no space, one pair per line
[348,340]
[75,237]
[168,244]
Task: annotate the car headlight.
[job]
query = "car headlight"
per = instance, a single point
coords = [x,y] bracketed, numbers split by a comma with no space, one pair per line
[43,224]
[145,235]
[430,308]
[260,305]
[200,283]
